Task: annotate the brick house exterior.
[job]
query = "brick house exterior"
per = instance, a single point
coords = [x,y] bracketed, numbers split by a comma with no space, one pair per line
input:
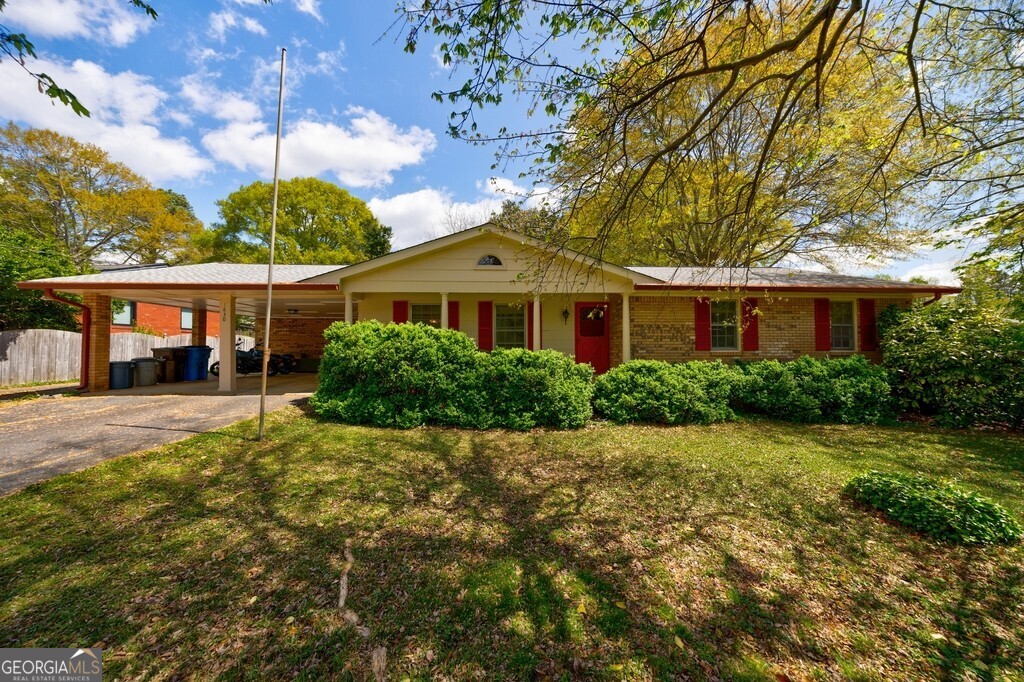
[504,289]
[166,319]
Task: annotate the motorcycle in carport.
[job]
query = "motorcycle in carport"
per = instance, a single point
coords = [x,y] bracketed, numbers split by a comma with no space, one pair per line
[251,362]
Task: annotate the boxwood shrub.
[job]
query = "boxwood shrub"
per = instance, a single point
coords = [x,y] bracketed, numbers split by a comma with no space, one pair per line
[663,393]
[409,375]
[840,390]
[941,510]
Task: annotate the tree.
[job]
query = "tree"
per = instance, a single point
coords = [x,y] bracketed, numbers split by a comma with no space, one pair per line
[25,256]
[57,189]
[696,204]
[318,222]
[540,223]
[961,66]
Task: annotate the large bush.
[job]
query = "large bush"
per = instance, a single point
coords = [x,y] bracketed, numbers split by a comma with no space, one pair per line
[664,393]
[841,390]
[408,375]
[961,363]
[941,510]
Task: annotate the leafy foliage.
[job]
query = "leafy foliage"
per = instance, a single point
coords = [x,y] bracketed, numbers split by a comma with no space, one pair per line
[22,257]
[60,190]
[840,390]
[942,510]
[959,362]
[408,375]
[663,393]
[317,222]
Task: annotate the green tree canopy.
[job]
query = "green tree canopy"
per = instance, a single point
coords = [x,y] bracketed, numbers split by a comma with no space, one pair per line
[318,222]
[60,190]
[25,256]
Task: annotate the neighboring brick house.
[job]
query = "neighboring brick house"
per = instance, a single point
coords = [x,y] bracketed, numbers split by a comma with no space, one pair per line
[505,290]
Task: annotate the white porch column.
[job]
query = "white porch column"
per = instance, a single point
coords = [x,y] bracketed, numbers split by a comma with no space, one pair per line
[536,321]
[348,307]
[226,354]
[444,311]
[626,355]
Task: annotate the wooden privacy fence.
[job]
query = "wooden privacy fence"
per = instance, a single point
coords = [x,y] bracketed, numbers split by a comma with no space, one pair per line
[29,356]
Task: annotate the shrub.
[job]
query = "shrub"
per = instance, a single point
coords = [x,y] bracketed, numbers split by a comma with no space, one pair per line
[941,510]
[543,388]
[663,393]
[958,362]
[408,375]
[842,390]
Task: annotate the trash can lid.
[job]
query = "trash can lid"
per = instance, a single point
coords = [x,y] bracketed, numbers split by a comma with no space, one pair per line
[154,360]
[120,362]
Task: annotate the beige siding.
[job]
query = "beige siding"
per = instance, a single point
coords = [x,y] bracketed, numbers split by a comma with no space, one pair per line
[454,270]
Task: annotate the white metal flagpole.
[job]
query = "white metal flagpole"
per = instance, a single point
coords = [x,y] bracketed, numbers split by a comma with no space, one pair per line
[273,236]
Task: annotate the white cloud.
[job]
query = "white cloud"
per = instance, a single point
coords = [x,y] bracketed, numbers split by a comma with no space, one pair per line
[940,272]
[106,21]
[206,98]
[225,20]
[429,213]
[266,73]
[363,153]
[310,7]
[126,109]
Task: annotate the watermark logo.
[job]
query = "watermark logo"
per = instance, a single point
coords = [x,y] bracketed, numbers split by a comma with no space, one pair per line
[51,665]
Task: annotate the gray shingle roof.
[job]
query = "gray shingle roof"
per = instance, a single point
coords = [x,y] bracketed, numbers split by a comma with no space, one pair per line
[203,273]
[754,278]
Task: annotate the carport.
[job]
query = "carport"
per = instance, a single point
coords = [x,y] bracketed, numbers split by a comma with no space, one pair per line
[300,291]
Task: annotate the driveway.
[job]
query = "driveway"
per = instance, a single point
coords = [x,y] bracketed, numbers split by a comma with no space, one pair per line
[48,436]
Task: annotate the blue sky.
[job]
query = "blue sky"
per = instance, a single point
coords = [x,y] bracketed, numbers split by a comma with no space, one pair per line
[189,101]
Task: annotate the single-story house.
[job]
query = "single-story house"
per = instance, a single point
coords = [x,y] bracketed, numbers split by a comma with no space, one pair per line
[506,290]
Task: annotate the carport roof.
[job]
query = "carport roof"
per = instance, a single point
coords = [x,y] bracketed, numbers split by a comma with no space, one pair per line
[203,275]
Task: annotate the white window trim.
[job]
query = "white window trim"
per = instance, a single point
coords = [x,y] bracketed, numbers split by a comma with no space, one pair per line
[856,328]
[494,324]
[739,328]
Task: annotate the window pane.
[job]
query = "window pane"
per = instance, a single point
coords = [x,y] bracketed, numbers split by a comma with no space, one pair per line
[509,326]
[126,316]
[429,315]
[841,313]
[186,318]
[724,325]
[489,260]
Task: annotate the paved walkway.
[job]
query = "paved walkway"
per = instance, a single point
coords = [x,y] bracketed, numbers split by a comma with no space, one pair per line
[48,436]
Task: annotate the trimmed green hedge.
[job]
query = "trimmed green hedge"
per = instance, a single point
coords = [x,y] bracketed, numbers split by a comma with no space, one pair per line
[409,375]
[941,510]
[835,390]
[663,393]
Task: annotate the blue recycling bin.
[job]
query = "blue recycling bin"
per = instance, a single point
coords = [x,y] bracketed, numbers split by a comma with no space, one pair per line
[197,363]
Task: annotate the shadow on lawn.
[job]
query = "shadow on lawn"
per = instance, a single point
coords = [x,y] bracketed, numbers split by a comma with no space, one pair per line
[471,560]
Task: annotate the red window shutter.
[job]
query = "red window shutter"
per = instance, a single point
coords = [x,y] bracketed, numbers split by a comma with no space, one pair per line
[748,318]
[822,324]
[702,324]
[453,315]
[485,325]
[400,311]
[866,324]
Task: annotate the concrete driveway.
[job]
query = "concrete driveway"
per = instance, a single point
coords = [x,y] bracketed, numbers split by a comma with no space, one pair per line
[56,435]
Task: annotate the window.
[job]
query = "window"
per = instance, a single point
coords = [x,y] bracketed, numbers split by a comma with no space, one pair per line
[489,261]
[186,318]
[724,325]
[841,314]
[126,315]
[428,314]
[509,326]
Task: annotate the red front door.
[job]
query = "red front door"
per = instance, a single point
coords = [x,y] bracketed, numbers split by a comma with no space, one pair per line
[592,343]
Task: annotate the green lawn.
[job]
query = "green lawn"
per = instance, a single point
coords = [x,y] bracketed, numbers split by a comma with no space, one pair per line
[612,552]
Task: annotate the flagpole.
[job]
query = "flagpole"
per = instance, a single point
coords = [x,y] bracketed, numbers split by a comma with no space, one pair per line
[273,236]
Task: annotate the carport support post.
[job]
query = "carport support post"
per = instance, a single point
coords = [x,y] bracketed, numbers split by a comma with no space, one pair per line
[198,327]
[226,354]
[626,342]
[99,342]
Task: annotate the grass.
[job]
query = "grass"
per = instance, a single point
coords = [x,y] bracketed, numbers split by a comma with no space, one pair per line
[610,553]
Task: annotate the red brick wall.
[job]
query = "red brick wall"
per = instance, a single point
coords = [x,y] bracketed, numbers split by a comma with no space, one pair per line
[296,335]
[166,319]
[662,328]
